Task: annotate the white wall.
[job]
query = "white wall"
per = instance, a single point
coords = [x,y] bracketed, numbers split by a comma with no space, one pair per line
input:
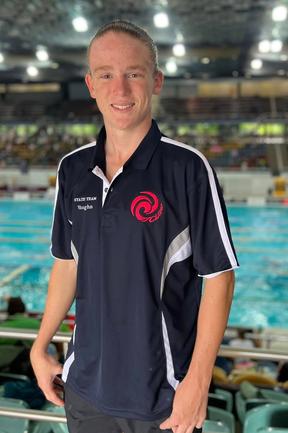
[236,185]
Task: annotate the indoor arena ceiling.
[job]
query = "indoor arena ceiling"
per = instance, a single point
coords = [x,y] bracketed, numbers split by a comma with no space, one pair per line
[221,37]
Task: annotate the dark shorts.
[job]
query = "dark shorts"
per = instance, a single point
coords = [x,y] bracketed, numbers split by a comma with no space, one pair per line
[82,417]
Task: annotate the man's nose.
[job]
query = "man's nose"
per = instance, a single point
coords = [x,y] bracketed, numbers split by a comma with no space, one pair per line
[121,85]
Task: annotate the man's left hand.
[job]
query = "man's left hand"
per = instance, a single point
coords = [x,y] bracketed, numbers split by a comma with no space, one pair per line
[189,408]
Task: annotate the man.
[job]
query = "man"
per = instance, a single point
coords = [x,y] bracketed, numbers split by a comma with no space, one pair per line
[139,221]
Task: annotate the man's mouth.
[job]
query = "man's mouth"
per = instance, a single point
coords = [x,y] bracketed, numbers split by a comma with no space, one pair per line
[122,106]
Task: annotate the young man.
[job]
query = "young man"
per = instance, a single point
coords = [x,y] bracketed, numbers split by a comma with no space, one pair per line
[139,222]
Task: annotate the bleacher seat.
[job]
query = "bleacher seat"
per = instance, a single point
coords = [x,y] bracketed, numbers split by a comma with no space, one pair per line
[9,424]
[215,427]
[255,379]
[267,417]
[48,426]
[223,416]
[227,395]
[244,405]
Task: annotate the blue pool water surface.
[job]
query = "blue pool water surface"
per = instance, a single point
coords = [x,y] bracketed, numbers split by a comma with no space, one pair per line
[260,237]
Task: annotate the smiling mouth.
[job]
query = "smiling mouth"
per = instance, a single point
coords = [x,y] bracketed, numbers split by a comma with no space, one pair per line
[122,107]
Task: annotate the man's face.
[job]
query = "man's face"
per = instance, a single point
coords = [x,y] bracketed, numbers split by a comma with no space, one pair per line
[122,80]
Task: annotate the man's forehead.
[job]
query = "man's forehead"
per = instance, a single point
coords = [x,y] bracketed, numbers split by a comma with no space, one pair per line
[120,37]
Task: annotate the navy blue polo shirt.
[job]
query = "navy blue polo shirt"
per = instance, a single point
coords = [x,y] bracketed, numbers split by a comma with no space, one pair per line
[142,244]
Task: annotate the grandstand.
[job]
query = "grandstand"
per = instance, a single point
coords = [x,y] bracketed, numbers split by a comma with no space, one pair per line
[215,100]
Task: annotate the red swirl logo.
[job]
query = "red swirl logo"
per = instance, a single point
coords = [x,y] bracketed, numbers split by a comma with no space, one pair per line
[146,207]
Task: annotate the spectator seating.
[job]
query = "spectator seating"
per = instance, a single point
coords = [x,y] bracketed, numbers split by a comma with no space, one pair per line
[48,426]
[215,427]
[225,417]
[267,418]
[9,424]
[227,395]
[254,378]
[243,406]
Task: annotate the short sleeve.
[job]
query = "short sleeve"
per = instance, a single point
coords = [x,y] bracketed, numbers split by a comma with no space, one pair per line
[61,226]
[212,247]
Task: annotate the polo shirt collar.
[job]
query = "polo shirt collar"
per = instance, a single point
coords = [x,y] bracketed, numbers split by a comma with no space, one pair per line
[140,157]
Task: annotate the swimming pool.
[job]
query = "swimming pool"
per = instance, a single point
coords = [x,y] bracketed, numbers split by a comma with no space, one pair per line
[260,235]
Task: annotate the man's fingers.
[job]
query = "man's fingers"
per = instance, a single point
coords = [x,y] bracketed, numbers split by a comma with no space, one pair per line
[169,423]
[55,400]
[182,428]
[52,396]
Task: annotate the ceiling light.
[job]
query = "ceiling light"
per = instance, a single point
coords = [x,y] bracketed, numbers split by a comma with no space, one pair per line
[205,60]
[179,50]
[171,66]
[256,64]
[279,13]
[179,38]
[276,46]
[32,71]
[161,20]
[281,72]
[42,54]
[264,46]
[1,58]
[284,57]
[80,24]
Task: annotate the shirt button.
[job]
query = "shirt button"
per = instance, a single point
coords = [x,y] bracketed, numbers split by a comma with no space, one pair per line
[106,189]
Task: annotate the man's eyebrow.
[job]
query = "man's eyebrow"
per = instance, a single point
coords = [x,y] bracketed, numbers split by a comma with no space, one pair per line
[110,67]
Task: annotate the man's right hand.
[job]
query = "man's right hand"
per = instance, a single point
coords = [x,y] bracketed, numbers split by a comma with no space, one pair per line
[46,368]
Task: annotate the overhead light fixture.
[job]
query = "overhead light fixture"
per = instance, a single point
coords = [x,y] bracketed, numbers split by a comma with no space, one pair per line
[205,60]
[161,20]
[1,58]
[80,24]
[283,57]
[276,46]
[32,71]
[179,50]
[279,13]
[281,72]
[256,64]
[179,37]
[42,54]
[264,46]
[171,66]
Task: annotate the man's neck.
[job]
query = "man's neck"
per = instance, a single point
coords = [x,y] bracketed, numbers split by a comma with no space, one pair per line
[121,144]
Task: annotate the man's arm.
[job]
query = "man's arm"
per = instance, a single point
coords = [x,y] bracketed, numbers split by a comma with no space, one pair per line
[191,396]
[61,293]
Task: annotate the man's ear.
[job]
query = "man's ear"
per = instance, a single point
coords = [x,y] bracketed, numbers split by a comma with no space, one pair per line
[158,82]
[89,84]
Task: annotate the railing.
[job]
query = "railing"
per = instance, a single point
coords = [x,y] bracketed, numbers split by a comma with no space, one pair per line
[63,337]
[225,350]
[33,415]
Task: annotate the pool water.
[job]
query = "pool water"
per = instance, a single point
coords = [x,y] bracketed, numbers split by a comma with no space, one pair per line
[260,236]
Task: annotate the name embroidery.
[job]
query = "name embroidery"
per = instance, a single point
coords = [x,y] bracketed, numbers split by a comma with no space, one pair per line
[82,200]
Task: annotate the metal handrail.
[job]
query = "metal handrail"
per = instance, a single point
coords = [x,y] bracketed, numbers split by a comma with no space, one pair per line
[31,414]
[64,337]
[28,334]
[225,350]
[255,353]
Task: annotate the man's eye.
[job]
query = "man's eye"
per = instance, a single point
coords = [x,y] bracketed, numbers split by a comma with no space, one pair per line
[105,76]
[133,75]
